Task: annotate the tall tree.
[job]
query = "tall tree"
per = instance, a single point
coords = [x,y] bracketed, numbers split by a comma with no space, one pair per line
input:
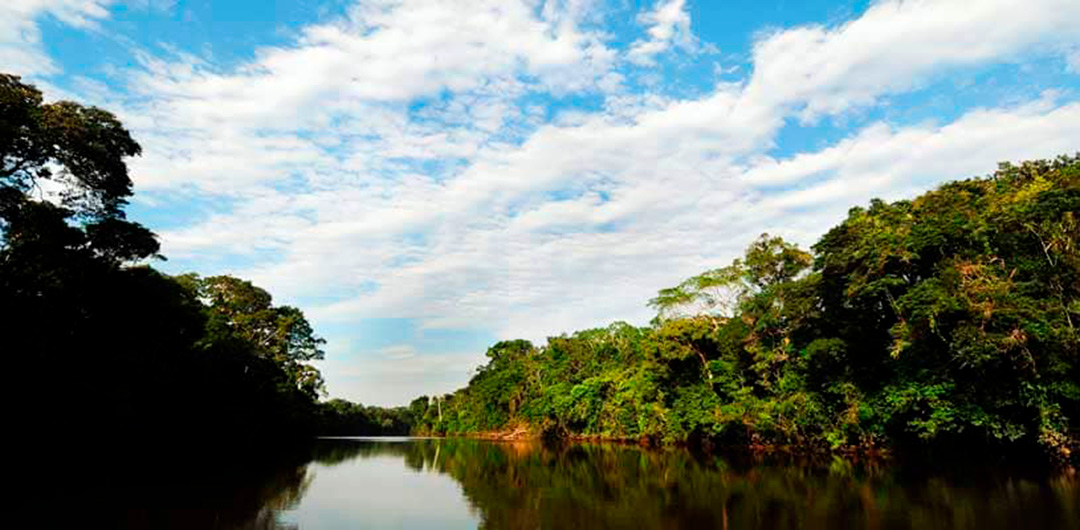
[240,311]
[79,154]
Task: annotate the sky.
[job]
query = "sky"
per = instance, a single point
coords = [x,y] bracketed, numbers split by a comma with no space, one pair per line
[426,177]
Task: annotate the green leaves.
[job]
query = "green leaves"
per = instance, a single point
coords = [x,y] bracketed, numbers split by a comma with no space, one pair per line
[83,148]
[947,319]
[715,292]
[769,263]
[240,313]
[132,353]
[121,241]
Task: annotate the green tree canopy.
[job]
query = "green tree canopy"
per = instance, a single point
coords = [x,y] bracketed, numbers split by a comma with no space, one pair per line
[239,311]
[79,151]
[945,321]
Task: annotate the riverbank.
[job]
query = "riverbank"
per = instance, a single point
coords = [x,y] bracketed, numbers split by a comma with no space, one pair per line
[524,433]
[931,455]
[945,323]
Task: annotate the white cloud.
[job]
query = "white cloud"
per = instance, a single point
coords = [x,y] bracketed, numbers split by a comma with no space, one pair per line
[20,38]
[378,380]
[668,26]
[399,352]
[391,51]
[537,282]
[897,45]
[883,161]
[356,77]
[1072,61]
[581,222]
[478,211]
[158,6]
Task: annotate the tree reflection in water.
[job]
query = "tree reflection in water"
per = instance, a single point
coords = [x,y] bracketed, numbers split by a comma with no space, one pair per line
[173,490]
[594,486]
[524,485]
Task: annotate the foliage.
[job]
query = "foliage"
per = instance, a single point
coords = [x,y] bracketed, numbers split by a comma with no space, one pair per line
[527,485]
[81,151]
[946,321]
[949,320]
[241,313]
[339,417]
[100,344]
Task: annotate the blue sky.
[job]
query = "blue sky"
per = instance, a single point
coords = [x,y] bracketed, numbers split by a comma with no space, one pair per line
[425,177]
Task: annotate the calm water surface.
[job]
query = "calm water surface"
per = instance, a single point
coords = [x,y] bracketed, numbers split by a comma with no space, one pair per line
[456,483]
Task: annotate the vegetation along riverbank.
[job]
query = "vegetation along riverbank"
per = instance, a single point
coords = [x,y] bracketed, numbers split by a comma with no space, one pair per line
[945,322]
[948,321]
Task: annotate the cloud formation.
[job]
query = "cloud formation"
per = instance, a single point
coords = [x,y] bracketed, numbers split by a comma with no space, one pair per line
[414,159]
[20,36]
[668,26]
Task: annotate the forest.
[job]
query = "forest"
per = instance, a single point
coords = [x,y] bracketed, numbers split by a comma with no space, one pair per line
[102,343]
[948,320]
[98,341]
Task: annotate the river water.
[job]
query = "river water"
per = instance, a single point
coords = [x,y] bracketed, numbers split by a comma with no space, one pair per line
[462,483]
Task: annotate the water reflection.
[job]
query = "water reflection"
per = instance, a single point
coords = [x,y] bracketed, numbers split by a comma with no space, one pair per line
[456,483]
[379,485]
[178,491]
[608,486]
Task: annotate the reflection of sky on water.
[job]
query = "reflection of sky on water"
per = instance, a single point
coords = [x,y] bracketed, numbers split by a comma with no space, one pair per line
[380,492]
[462,483]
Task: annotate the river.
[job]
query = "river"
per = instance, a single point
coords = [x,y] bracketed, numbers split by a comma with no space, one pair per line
[463,483]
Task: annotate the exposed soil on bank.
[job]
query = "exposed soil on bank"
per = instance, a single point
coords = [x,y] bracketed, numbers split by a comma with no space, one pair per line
[526,433]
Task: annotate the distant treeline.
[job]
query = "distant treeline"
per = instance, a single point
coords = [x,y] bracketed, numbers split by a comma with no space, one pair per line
[949,320]
[338,417]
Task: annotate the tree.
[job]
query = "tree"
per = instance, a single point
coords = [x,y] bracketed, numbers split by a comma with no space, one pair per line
[945,321]
[240,311]
[769,262]
[81,151]
[127,352]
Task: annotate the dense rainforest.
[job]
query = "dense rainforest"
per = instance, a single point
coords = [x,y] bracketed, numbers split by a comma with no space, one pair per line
[949,321]
[98,343]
